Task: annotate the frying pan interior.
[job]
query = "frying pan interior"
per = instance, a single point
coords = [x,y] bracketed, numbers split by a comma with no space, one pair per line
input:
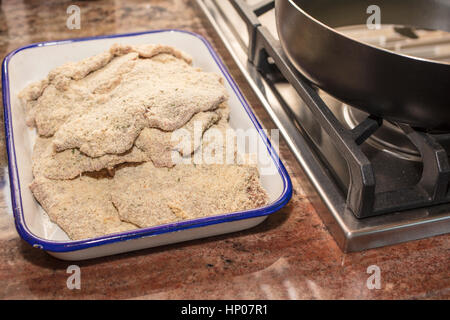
[394,86]
[426,14]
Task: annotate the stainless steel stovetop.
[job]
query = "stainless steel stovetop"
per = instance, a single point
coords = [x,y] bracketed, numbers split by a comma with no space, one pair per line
[401,196]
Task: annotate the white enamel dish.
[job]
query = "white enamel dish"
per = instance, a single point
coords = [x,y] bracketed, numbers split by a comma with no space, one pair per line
[32,63]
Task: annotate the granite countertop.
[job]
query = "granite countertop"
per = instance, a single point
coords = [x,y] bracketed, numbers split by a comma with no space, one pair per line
[289,256]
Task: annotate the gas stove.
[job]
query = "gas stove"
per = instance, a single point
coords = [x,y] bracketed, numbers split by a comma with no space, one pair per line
[379,183]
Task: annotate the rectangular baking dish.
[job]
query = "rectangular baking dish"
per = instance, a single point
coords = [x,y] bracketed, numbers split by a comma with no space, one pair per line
[33,62]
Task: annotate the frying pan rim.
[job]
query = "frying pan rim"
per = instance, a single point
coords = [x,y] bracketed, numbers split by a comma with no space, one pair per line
[394,53]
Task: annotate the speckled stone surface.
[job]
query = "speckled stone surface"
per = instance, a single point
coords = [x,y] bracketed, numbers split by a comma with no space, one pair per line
[289,256]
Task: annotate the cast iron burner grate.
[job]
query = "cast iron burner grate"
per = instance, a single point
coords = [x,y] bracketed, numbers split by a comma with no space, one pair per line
[362,212]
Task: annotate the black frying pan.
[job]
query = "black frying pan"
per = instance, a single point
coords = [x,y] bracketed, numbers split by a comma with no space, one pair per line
[390,85]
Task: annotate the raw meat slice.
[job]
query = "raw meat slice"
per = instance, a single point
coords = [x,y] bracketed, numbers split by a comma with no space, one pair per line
[49,105]
[81,207]
[146,196]
[163,92]
[72,163]
[159,145]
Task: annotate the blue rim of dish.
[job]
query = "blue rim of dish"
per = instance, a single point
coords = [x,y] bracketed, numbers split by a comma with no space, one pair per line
[67,246]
